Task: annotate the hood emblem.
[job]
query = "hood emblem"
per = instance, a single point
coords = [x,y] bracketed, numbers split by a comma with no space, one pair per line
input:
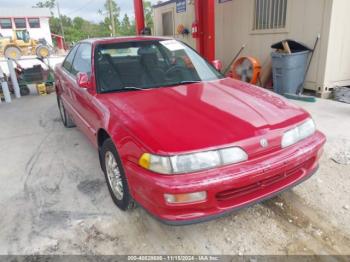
[264,143]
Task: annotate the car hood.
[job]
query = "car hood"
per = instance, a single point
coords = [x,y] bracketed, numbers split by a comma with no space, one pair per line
[201,116]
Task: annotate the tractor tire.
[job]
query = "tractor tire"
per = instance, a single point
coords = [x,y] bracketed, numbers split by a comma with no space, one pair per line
[13,52]
[42,51]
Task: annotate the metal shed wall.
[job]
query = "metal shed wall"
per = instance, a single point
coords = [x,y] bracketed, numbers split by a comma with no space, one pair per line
[337,69]
[304,21]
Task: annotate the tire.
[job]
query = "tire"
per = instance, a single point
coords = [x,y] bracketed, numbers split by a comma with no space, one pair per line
[116,180]
[13,52]
[24,90]
[66,119]
[42,51]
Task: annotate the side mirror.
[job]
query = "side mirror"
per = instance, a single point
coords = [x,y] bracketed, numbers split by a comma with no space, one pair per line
[83,80]
[217,64]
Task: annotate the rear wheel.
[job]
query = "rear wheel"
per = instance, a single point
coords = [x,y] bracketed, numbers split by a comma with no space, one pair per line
[115,176]
[13,52]
[66,119]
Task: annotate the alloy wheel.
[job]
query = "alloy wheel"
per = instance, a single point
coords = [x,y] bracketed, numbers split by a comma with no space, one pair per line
[114,176]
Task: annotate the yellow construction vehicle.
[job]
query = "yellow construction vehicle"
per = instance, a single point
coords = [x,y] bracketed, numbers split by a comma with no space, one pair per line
[21,44]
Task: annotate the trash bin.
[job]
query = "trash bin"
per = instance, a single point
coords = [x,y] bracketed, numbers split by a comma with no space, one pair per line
[289,70]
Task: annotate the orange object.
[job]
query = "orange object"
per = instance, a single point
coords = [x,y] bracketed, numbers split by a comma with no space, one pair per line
[180,29]
[246,69]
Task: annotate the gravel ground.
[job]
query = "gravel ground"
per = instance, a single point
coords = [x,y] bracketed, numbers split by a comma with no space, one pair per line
[54,200]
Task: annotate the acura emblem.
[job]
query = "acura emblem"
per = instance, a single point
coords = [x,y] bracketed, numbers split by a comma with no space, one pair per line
[264,143]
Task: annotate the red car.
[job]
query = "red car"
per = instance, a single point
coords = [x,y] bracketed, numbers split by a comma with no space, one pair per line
[177,137]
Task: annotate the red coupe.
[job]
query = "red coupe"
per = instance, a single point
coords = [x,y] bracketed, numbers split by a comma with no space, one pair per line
[177,137]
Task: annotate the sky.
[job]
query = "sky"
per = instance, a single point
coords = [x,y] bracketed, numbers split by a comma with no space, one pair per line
[83,8]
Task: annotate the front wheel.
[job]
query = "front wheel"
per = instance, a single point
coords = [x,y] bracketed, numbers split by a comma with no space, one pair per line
[66,119]
[42,51]
[115,176]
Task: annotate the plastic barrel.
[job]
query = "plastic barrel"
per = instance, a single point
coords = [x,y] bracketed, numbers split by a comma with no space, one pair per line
[288,71]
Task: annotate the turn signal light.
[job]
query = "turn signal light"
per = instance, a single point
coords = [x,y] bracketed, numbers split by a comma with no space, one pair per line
[185,198]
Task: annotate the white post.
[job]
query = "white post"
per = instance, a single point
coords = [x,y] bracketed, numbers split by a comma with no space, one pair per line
[13,78]
[5,88]
[6,91]
[48,63]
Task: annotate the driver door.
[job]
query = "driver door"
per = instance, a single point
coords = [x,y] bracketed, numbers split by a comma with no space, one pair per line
[83,99]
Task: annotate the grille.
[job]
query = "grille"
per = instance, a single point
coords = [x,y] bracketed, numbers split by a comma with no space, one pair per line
[242,191]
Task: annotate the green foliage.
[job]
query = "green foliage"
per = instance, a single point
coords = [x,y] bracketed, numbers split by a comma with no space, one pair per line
[126,27]
[46,4]
[78,28]
[115,13]
[147,5]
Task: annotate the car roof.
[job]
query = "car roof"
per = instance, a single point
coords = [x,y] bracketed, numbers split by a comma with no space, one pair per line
[111,40]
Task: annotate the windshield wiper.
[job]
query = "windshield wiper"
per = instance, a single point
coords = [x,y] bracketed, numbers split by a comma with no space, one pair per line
[183,83]
[133,88]
[189,82]
[126,88]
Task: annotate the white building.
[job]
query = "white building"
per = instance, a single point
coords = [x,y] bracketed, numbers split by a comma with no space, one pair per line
[260,23]
[35,20]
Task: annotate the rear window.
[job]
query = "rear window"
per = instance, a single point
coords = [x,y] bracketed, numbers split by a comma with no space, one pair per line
[128,51]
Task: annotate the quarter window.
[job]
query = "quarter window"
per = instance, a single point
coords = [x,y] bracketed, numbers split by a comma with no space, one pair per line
[82,60]
[34,22]
[20,22]
[5,23]
[270,14]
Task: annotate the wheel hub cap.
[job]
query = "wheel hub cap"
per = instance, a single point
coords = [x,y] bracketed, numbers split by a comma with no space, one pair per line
[114,176]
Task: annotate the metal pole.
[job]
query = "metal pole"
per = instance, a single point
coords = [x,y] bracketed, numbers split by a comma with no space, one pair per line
[139,16]
[60,17]
[205,17]
[13,78]
[5,88]
[111,16]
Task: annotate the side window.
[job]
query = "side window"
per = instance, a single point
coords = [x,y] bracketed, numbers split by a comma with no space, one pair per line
[67,64]
[82,60]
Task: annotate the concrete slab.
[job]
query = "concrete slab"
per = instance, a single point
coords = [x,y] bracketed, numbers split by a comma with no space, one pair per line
[54,200]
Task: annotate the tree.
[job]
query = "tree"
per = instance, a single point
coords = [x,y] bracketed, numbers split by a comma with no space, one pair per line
[147,5]
[127,27]
[78,28]
[115,13]
[46,4]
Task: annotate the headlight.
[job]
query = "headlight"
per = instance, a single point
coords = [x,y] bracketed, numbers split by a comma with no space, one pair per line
[298,133]
[195,162]
[192,162]
[307,129]
[290,138]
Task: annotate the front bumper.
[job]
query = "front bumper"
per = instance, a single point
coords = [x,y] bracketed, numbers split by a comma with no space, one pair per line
[228,188]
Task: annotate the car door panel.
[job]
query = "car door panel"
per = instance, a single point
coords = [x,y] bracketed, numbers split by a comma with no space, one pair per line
[66,80]
[82,98]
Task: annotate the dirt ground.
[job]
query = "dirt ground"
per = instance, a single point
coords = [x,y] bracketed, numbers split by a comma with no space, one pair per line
[54,200]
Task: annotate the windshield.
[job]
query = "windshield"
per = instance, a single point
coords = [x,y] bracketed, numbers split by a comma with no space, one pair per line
[149,64]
